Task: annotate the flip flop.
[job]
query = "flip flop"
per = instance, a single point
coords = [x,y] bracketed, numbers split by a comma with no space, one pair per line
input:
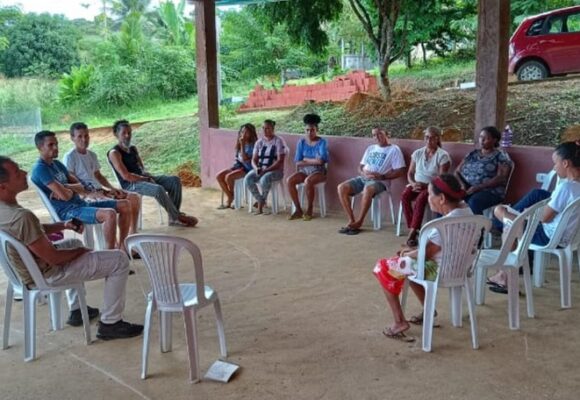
[400,336]
[353,231]
[344,229]
[412,243]
[307,217]
[418,320]
[497,288]
[224,207]
[492,283]
[293,217]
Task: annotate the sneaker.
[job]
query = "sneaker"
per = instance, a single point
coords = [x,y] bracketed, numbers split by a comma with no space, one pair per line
[75,318]
[118,330]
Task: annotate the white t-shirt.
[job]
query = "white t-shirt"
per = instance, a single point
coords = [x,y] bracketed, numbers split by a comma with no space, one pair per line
[426,170]
[565,193]
[83,166]
[380,160]
[434,236]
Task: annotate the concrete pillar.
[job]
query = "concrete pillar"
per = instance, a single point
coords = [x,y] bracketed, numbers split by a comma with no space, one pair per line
[492,64]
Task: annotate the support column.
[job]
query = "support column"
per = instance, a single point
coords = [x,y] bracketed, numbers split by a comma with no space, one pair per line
[206,61]
[492,64]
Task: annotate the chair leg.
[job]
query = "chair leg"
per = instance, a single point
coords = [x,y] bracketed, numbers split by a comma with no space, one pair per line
[56,311]
[480,276]
[565,261]
[7,315]
[376,213]
[455,294]
[404,294]
[191,339]
[165,331]
[529,290]
[392,208]
[146,337]
[399,219]
[429,315]
[220,328]
[322,200]
[29,300]
[472,317]
[513,298]
[84,313]
[540,261]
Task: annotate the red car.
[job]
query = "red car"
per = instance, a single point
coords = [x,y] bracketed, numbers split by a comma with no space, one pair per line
[547,44]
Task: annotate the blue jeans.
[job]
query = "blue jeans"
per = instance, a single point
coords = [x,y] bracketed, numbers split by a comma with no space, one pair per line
[536,195]
[480,201]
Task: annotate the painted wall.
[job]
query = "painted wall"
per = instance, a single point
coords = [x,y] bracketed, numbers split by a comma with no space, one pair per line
[217,153]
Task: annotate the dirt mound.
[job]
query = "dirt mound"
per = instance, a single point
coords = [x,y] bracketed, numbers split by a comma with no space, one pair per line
[187,176]
[368,106]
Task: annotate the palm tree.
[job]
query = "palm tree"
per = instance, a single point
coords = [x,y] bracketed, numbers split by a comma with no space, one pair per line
[122,8]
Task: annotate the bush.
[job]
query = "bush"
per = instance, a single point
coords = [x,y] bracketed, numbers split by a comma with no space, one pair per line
[41,45]
[75,86]
[171,71]
[116,85]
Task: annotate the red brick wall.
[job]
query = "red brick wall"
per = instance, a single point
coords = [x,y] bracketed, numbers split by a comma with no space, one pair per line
[339,89]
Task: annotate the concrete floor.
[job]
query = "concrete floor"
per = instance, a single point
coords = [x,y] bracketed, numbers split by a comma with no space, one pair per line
[303,317]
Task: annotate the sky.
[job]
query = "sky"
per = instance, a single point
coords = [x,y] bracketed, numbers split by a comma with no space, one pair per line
[72,9]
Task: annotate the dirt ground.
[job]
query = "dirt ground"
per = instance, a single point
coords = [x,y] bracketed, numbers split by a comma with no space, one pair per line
[303,317]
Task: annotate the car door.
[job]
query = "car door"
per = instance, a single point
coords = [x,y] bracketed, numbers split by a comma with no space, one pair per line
[560,43]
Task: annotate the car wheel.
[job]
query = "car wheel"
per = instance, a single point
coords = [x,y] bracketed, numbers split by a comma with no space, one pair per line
[532,70]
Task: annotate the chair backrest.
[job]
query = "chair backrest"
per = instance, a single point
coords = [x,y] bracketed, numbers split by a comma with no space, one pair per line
[46,202]
[26,257]
[571,212]
[531,216]
[509,179]
[460,239]
[549,180]
[113,170]
[161,254]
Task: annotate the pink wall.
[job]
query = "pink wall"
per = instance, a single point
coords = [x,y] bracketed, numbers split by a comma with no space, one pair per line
[217,153]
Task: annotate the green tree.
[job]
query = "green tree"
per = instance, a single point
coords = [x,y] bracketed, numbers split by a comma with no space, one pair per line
[248,49]
[122,8]
[175,30]
[523,8]
[40,45]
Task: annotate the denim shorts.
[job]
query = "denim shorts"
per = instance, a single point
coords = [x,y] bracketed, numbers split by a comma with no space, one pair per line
[359,183]
[87,213]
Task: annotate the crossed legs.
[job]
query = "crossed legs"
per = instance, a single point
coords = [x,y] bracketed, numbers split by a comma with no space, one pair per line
[310,182]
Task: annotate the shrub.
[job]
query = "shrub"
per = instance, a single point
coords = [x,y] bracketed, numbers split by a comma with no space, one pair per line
[116,85]
[75,86]
[42,45]
[171,71]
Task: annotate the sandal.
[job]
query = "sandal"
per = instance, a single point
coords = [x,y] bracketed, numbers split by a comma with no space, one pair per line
[307,217]
[294,216]
[223,207]
[412,243]
[388,332]
[418,320]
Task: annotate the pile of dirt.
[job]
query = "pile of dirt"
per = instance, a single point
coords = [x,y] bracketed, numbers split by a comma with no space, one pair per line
[540,114]
[187,176]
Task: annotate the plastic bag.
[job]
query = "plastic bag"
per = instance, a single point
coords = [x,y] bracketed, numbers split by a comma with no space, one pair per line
[391,273]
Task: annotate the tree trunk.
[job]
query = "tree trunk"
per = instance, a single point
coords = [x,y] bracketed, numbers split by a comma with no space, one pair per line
[384,84]
[424,51]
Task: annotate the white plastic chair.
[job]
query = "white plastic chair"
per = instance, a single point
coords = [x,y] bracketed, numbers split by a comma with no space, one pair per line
[160,209]
[522,229]
[93,236]
[320,192]
[239,193]
[488,212]
[30,297]
[160,254]
[565,255]
[549,180]
[277,187]
[375,211]
[460,237]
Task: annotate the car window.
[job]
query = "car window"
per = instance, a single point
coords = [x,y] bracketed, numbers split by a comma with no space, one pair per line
[554,25]
[573,23]
[536,27]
